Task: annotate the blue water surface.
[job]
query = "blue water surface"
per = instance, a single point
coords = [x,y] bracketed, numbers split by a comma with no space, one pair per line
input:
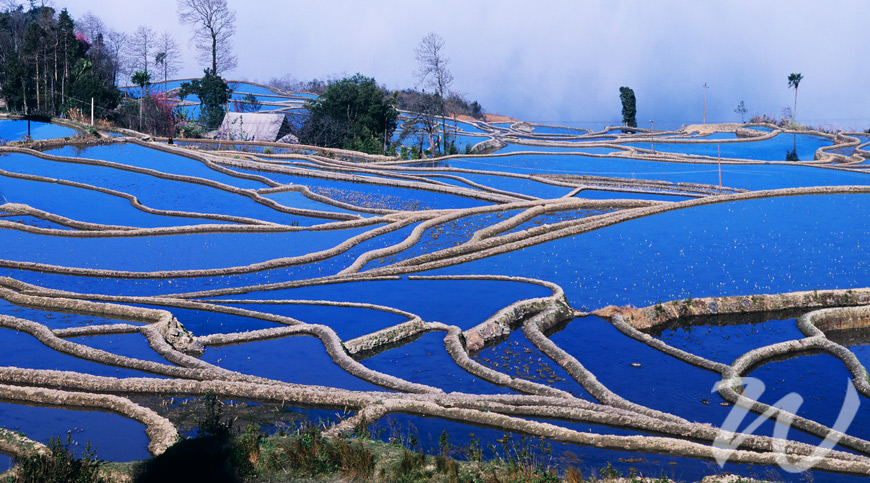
[774,149]
[126,441]
[745,176]
[140,156]
[299,360]
[426,361]
[763,246]
[151,191]
[16,130]
[464,303]
[87,205]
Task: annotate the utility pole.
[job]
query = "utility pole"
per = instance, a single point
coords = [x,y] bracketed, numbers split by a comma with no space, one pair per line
[26,107]
[705,103]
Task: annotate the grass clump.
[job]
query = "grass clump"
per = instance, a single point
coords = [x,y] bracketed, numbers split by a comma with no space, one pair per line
[308,453]
[524,462]
[59,465]
[412,467]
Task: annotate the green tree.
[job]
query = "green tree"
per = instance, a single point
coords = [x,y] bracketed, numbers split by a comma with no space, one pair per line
[353,113]
[85,84]
[15,84]
[794,80]
[214,93]
[629,106]
[33,55]
[70,47]
[41,52]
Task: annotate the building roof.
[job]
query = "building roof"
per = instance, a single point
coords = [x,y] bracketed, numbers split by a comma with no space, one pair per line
[256,126]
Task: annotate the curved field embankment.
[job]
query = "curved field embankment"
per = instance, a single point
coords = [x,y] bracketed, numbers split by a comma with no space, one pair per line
[533,408]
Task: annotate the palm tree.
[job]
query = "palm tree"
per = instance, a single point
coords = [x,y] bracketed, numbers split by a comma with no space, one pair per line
[794,79]
[141,78]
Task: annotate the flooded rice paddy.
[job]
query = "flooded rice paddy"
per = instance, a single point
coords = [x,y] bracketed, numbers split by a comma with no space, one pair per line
[459,294]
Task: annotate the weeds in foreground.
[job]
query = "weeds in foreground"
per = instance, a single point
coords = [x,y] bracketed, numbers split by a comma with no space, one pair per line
[58,466]
[525,459]
[412,467]
[218,455]
[308,453]
[211,423]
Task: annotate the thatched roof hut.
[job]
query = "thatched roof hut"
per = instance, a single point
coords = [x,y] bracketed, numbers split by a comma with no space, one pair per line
[256,126]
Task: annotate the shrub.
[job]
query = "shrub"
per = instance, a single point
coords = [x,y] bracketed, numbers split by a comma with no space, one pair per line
[188,130]
[207,458]
[411,467]
[213,93]
[211,422]
[354,113]
[308,453]
[158,116]
[764,118]
[59,465]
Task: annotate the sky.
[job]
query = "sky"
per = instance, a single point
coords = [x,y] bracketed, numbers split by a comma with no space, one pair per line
[559,61]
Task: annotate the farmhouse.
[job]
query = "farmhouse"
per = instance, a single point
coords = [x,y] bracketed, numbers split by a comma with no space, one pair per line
[256,126]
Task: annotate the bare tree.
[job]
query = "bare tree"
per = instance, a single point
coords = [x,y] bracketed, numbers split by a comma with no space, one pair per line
[433,72]
[10,5]
[90,26]
[421,123]
[213,26]
[168,56]
[116,43]
[141,44]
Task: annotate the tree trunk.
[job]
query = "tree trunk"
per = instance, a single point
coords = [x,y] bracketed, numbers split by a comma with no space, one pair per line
[794,113]
[141,100]
[54,81]
[47,78]
[65,71]
[214,54]
[37,83]
[443,126]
